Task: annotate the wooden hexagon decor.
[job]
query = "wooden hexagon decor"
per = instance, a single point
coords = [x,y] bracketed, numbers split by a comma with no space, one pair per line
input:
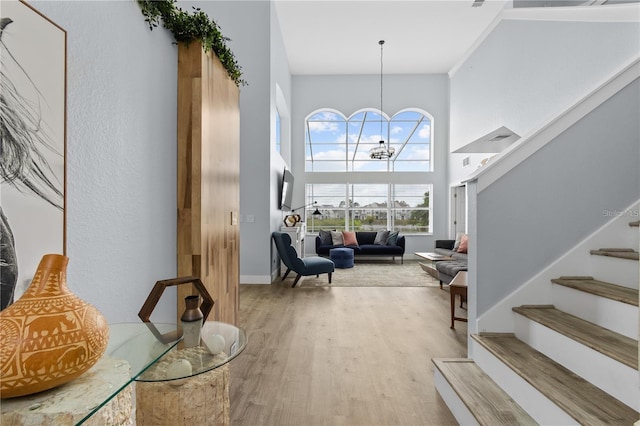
[154,297]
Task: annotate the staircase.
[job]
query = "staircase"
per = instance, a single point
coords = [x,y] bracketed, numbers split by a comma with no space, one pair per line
[574,361]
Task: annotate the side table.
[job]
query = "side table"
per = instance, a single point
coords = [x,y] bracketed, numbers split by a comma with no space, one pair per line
[103,394]
[196,397]
[458,286]
[76,402]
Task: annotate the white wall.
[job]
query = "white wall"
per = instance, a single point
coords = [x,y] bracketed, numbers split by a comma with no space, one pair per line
[121,150]
[522,75]
[350,93]
[281,80]
[121,161]
[557,197]
[526,72]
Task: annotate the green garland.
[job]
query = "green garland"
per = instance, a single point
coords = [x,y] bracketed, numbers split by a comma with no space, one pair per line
[187,27]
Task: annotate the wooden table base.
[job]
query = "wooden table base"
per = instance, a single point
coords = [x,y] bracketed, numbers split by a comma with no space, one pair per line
[458,286]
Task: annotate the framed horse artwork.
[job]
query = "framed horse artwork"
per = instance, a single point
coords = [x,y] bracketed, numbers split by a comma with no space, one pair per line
[33,143]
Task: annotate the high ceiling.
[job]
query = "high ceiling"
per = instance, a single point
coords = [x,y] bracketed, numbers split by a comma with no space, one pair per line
[421,36]
[341,37]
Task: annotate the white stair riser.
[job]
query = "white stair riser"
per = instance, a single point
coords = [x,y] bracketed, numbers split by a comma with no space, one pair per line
[618,233]
[543,410]
[623,272]
[618,380]
[453,401]
[610,314]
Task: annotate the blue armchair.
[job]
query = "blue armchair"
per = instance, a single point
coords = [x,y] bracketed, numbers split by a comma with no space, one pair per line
[303,267]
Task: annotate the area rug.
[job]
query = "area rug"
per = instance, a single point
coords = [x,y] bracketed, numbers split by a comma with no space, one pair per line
[373,274]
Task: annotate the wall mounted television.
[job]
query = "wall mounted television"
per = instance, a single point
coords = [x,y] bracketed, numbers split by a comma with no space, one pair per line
[286,192]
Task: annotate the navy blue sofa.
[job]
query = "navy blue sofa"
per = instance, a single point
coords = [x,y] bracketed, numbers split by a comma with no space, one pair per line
[366,247]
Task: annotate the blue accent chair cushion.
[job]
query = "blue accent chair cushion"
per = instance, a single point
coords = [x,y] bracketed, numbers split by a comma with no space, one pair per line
[302,266]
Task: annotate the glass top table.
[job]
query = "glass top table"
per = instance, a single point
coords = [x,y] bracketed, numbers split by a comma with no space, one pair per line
[220,343]
[138,352]
[151,349]
[138,345]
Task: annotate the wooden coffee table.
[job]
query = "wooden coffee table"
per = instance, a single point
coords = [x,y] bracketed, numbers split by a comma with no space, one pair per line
[429,266]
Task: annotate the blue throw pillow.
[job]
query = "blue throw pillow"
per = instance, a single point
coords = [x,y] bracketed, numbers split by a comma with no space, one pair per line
[393,239]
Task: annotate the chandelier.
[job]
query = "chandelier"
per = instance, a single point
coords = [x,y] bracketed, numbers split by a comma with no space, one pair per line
[381,152]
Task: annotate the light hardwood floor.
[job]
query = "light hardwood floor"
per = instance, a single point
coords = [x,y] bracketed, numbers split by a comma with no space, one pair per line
[342,356]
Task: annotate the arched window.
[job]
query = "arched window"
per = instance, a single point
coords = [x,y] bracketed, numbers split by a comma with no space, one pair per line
[339,146]
[335,143]
[278,132]
[282,125]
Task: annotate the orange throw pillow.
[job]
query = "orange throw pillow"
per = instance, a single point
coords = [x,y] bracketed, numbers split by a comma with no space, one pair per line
[349,238]
[464,242]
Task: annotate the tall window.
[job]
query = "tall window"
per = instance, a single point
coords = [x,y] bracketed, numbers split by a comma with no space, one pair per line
[278,133]
[370,207]
[338,147]
[335,143]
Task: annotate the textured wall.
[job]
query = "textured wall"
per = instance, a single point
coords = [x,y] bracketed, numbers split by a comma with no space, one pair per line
[556,198]
[121,161]
[527,72]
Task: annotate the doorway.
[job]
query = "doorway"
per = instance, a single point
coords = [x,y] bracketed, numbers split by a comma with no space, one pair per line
[458,210]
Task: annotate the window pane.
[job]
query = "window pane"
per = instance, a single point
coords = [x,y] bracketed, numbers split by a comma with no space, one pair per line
[409,133]
[411,208]
[415,152]
[366,207]
[278,141]
[330,199]
[368,219]
[325,141]
[369,206]
[327,152]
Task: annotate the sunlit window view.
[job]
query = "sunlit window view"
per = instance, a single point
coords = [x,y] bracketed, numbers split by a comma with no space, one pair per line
[340,145]
[278,132]
[335,143]
[369,207]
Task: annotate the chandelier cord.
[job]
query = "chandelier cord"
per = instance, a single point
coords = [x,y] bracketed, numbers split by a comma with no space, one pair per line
[381,152]
[381,42]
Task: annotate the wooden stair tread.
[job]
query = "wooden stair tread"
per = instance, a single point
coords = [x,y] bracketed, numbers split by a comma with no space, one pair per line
[600,288]
[621,253]
[614,345]
[488,402]
[580,399]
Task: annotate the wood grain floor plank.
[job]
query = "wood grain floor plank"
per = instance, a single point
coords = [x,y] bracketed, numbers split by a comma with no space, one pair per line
[342,356]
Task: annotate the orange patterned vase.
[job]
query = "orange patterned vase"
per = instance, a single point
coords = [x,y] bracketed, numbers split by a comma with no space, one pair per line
[49,336]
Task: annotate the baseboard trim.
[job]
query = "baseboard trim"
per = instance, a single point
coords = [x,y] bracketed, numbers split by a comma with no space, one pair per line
[255,279]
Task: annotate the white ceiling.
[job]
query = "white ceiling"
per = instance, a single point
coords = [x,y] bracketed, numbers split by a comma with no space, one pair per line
[421,36]
[341,37]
